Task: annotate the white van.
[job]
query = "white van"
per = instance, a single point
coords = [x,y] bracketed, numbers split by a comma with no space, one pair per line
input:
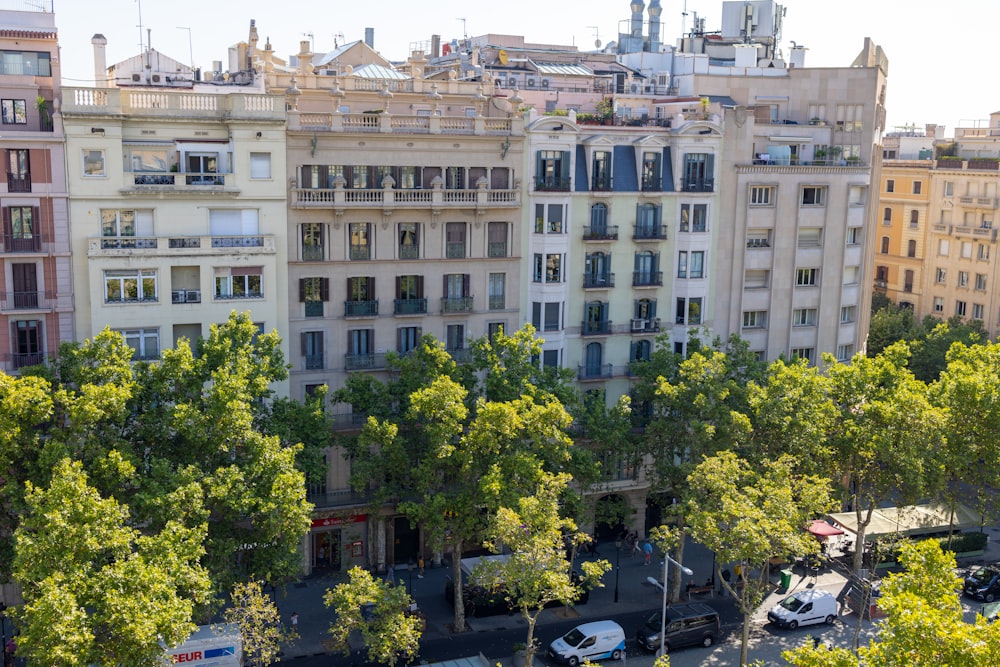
[805,607]
[590,641]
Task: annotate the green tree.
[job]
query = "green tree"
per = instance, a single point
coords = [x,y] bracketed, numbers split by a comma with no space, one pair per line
[379,611]
[887,434]
[889,325]
[97,591]
[924,624]
[257,617]
[929,357]
[749,514]
[536,572]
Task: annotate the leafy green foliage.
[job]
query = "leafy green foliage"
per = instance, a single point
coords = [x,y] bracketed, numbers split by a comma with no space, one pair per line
[257,617]
[96,590]
[379,611]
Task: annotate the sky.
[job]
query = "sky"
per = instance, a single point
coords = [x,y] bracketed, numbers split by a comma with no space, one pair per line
[931,79]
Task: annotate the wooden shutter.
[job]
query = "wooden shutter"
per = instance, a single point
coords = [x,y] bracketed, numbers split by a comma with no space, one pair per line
[399,285]
[324,289]
[302,290]
[420,287]
[466,285]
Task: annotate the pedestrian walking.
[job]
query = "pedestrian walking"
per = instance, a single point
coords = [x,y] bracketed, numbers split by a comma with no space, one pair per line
[420,567]
[636,547]
[647,549]
[390,575]
[295,621]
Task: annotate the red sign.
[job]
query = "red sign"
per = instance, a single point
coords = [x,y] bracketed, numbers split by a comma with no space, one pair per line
[339,520]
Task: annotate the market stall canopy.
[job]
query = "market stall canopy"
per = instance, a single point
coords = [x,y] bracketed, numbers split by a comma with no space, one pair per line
[823,530]
[912,520]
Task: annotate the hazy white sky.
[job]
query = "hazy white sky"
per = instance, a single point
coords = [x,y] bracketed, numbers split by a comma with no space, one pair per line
[940,54]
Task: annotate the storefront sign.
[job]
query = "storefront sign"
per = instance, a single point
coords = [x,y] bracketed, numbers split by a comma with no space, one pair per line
[333,521]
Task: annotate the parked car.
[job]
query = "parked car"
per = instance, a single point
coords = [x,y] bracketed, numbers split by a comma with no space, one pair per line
[805,607]
[591,641]
[482,601]
[686,625]
[983,583]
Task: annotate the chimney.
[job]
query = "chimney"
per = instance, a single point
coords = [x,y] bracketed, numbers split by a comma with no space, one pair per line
[305,57]
[654,26]
[100,44]
[435,46]
[370,37]
[797,57]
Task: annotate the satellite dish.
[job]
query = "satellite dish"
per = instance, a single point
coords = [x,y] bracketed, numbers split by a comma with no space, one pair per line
[502,56]
[597,43]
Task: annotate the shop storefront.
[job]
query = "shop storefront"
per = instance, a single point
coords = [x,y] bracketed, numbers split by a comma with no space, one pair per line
[335,542]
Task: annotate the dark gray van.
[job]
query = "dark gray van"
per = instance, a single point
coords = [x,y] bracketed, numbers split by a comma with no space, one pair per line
[687,625]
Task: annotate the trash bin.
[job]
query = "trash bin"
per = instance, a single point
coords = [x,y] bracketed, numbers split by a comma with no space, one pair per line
[786,579]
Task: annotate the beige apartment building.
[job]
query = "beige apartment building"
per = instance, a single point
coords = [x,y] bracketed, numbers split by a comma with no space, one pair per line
[177,202]
[36,300]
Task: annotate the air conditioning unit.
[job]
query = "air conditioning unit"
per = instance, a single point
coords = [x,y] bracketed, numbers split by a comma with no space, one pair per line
[634,88]
[546,83]
[193,296]
[638,325]
[156,78]
[178,296]
[653,325]
[136,78]
[529,83]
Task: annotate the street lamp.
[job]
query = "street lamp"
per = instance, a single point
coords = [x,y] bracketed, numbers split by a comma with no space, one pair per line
[618,565]
[409,566]
[663,612]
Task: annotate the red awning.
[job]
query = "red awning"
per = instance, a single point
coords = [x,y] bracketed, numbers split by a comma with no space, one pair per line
[821,528]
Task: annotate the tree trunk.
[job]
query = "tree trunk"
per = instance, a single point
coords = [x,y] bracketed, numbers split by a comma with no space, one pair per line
[456,574]
[675,588]
[529,651]
[745,639]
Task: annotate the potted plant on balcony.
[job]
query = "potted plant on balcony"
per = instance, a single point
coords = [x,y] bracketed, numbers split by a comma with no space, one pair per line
[45,118]
[605,110]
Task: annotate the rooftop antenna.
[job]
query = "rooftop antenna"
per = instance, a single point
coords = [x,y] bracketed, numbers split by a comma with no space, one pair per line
[597,36]
[141,46]
[465,32]
[312,40]
[338,37]
[684,18]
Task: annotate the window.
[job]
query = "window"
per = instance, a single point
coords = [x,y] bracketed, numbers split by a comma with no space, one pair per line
[409,240]
[555,219]
[890,185]
[454,337]
[407,339]
[695,215]
[845,352]
[313,292]
[966,250]
[699,172]
[595,315]
[553,320]
[497,295]
[601,176]
[911,248]
[761,195]
[881,274]
[18,170]
[243,282]
[547,268]
[454,178]
[682,264]
[597,270]
[813,195]
[960,308]
[754,319]
[454,242]
[908,280]
[941,276]
[647,222]
[963,278]
[20,229]
[851,274]
[943,247]
[130,286]
[980,282]
[313,241]
[410,295]
[93,163]
[28,343]
[312,350]
[853,234]
[887,216]
[145,343]
[640,350]
[804,317]
[599,221]
[550,358]
[977,311]
[806,353]
[360,343]
[260,165]
[496,238]
[758,238]
[949,188]
[594,367]
[121,227]
[652,180]
[986,224]
[914,218]
[14,112]
[552,171]
[688,311]
[697,264]
[457,296]
[848,314]
[938,304]
[647,269]
[917,185]
[644,309]
[806,277]
[885,245]
[810,237]
[756,278]
[983,251]
[493,329]
[25,63]
[857,194]
[361,301]
[360,239]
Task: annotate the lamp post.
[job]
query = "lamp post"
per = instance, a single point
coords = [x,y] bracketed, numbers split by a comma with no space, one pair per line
[663,612]
[618,565]
[409,566]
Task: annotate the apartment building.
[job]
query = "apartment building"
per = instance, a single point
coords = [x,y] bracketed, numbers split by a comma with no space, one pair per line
[177,202]
[946,266]
[36,300]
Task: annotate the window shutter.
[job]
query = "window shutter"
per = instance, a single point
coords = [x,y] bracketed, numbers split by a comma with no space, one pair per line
[302,290]
[6,221]
[539,168]
[657,215]
[371,289]
[466,285]
[709,166]
[652,308]
[420,287]
[564,167]
[324,289]
[304,342]
[633,351]
[350,293]
[399,291]
[444,286]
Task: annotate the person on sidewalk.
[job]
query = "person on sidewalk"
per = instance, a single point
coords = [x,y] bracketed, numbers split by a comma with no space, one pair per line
[420,567]
[647,550]
[295,621]
[390,574]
